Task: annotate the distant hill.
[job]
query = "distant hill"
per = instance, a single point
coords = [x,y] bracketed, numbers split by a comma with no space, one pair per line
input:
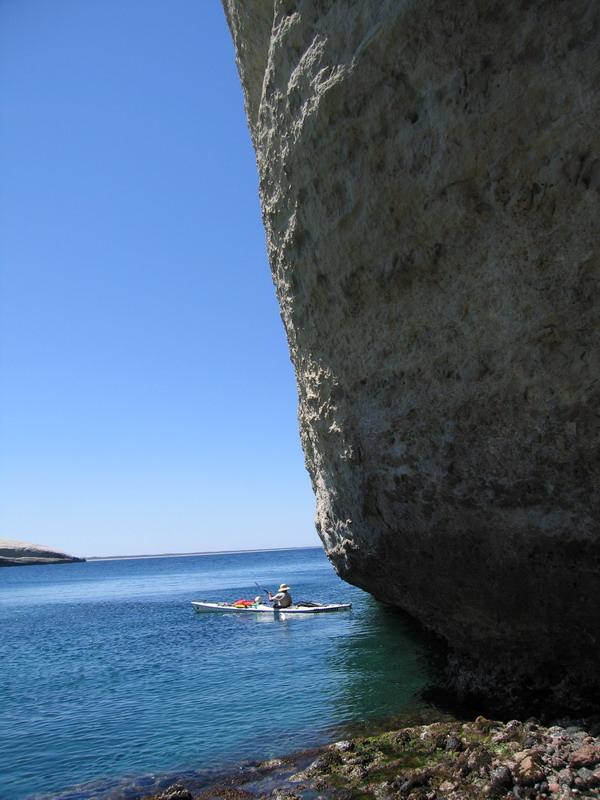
[16,554]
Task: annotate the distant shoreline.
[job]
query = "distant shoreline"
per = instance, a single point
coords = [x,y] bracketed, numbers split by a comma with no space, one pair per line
[203,553]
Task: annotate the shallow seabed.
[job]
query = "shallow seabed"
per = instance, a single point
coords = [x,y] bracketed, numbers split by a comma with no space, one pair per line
[110,680]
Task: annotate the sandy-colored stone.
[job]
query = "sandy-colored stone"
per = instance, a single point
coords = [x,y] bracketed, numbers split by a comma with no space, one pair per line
[430,186]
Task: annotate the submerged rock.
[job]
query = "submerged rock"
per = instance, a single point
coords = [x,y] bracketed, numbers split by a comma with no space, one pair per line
[429,179]
[14,554]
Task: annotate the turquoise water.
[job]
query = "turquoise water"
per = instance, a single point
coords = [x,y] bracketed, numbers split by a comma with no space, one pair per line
[109,679]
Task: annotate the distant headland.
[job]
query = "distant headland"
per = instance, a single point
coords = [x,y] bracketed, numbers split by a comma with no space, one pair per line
[201,553]
[17,554]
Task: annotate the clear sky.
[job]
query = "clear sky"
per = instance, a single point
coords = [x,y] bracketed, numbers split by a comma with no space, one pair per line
[147,399]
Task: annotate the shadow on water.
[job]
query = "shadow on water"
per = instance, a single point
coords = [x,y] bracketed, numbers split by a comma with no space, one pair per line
[393,672]
[396,651]
[407,644]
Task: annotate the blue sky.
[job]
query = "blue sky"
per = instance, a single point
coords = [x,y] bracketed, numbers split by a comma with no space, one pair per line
[147,399]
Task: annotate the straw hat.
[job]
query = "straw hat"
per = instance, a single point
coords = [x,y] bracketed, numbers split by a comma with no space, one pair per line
[284,587]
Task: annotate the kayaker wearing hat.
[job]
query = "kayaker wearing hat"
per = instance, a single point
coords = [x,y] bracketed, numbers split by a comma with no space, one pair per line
[283,598]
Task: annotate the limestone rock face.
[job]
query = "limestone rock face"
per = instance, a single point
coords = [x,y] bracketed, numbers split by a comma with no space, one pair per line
[430,186]
[14,553]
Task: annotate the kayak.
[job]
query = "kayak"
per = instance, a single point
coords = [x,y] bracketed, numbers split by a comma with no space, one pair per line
[203,607]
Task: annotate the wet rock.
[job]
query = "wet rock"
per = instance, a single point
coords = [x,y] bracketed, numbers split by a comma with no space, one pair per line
[344,747]
[402,737]
[513,728]
[272,763]
[176,792]
[479,757]
[448,786]
[327,761]
[565,777]
[485,725]
[530,741]
[359,773]
[453,745]
[501,778]
[416,781]
[285,794]
[586,779]
[557,762]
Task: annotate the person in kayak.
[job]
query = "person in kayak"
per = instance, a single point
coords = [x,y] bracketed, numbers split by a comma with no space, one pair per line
[283,598]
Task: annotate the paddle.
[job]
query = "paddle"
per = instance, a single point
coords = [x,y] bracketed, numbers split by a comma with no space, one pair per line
[262,588]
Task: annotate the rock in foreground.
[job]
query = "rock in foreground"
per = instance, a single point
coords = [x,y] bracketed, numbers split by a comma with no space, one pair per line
[445,760]
[430,185]
[15,554]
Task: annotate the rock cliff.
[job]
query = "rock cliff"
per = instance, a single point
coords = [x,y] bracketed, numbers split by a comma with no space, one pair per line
[430,186]
[14,554]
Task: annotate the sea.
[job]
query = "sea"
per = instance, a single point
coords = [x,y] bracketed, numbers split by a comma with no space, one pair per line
[112,686]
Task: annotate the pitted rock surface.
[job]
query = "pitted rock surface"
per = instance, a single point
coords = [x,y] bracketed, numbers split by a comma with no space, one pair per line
[430,186]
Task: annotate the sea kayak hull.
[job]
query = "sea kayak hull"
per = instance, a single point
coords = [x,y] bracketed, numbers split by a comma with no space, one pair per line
[204,607]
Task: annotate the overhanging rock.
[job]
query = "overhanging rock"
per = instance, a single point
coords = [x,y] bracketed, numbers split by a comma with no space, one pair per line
[429,179]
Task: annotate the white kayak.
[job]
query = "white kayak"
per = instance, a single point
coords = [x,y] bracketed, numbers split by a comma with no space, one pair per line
[203,607]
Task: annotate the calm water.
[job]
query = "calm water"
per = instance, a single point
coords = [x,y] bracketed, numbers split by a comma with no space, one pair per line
[109,678]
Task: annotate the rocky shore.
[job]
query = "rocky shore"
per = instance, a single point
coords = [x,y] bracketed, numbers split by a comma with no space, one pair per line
[454,760]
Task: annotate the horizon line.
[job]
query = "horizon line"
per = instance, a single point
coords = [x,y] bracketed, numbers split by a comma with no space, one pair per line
[204,553]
